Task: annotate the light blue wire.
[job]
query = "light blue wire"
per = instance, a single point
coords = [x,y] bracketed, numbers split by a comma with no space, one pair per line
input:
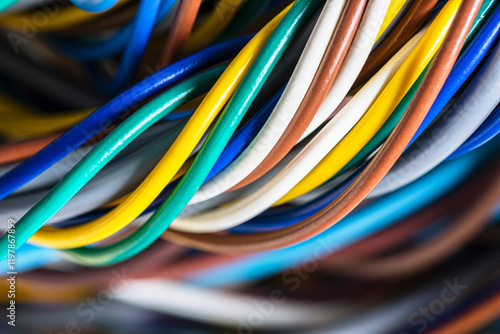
[142,27]
[377,215]
[94,6]
[113,45]
[29,257]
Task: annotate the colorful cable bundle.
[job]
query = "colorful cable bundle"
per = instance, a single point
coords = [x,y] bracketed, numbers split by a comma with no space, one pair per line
[290,164]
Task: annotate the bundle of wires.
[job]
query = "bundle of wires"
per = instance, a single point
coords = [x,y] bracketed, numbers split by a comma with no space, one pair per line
[250,166]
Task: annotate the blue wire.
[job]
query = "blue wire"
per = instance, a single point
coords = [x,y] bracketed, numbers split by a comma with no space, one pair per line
[375,216]
[111,46]
[236,145]
[465,65]
[93,6]
[29,257]
[245,135]
[175,116]
[486,132]
[111,111]
[284,216]
[142,28]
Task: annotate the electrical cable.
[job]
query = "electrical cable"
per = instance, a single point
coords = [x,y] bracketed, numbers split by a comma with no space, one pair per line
[151,187]
[486,132]
[141,30]
[372,174]
[376,215]
[244,209]
[218,138]
[330,91]
[329,22]
[460,121]
[181,29]
[113,45]
[117,107]
[374,118]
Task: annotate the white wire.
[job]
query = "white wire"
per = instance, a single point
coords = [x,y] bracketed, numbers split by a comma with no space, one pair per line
[286,107]
[443,137]
[224,307]
[250,206]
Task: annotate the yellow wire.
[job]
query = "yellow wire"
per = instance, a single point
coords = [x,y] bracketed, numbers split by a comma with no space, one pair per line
[178,153]
[20,121]
[394,8]
[383,106]
[214,25]
[50,19]
[179,173]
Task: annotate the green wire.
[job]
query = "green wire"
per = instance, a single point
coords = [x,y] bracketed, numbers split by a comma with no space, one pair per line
[109,147]
[6,4]
[215,143]
[389,125]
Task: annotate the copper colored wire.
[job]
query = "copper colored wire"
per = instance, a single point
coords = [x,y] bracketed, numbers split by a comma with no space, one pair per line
[24,149]
[472,320]
[180,30]
[404,30]
[468,225]
[317,91]
[398,234]
[144,265]
[374,172]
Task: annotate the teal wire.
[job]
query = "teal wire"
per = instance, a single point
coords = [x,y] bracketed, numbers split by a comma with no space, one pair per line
[215,143]
[108,148]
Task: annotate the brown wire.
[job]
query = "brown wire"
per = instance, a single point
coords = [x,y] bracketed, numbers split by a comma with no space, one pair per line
[374,172]
[398,234]
[469,224]
[24,149]
[317,91]
[404,30]
[144,265]
[472,320]
[180,30]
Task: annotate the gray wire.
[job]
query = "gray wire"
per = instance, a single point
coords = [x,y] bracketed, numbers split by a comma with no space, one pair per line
[443,137]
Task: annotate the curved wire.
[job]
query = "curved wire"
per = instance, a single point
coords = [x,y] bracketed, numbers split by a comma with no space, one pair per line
[215,24]
[94,6]
[68,16]
[118,107]
[218,138]
[151,187]
[248,207]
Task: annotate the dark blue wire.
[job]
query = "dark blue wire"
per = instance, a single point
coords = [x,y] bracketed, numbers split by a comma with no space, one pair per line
[284,216]
[178,115]
[486,132]
[464,67]
[236,145]
[245,135]
[111,111]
